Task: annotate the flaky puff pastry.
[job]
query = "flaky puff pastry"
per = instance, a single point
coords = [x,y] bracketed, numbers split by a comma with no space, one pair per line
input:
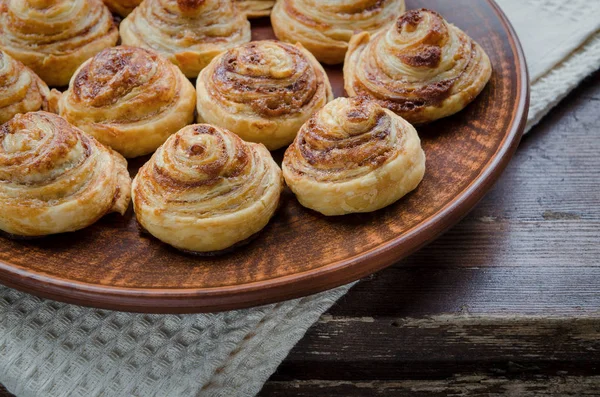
[206,190]
[54,178]
[325,27]
[129,98]
[21,90]
[255,8]
[263,91]
[122,7]
[190,33]
[353,156]
[422,68]
[54,37]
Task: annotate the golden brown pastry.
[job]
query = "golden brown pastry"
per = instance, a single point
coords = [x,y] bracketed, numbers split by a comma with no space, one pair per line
[206,190]
[422,68]
[54,178]
[325,28]
[255,8]
[21,90]
[129,98]
[54,37]
[122,7]
[353,156]
[263,91]
[190,33]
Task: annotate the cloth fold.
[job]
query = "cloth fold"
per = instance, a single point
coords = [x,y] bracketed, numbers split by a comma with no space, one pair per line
[53,349]
[561,41]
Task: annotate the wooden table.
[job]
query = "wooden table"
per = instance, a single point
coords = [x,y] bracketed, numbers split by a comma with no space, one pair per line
[508,301]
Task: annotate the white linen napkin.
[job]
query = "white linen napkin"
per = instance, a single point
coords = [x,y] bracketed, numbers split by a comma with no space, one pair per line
[53,349]
[561,40]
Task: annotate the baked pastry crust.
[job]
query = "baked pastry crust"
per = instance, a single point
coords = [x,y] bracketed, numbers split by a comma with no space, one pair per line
[353,156]
[205,189]
[54,37]
[54,178]
[263,91]
[255,8]
[131,99]
[422,68]
[21,90]
[122,7]
[325,28]
[190,33]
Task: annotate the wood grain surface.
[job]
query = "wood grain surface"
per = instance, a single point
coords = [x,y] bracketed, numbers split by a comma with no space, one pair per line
[467,386]
[112,265]
[506,303]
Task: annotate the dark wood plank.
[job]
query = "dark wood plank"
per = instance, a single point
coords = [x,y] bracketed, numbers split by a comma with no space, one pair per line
[415,292]
[466,386]
[4,392]
[359,348]
[511,291]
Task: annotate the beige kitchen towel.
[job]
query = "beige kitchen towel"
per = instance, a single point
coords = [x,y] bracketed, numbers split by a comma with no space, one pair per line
[561,40]
[50,349]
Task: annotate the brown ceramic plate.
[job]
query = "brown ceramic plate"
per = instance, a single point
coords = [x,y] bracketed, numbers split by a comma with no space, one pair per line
[112,265]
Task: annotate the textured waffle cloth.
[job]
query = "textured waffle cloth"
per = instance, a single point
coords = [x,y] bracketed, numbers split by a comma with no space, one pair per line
[53,349]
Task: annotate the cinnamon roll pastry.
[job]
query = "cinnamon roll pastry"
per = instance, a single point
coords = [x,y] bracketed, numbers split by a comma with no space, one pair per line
[21,90]
[353,156]
[54,178]
[54,37]
[190,33]
[263,91]
[325,27]
[122,7]
[206,190]
[255,8]
[422,68]
[129,98]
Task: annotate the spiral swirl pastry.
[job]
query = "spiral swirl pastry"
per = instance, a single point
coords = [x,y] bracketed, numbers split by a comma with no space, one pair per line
[54,178]
[21,90]
[129,98]
[206,190]
[325,27]
[122,7]
[255,8]
[353,156]
[263,91]
[190,33]
[54,37]
[422,68]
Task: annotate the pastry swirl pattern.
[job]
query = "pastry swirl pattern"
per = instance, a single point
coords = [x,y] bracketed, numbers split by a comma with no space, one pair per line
[325,28]
[353,156]
[54,37]
[190,33]
[131,99]
[422,68]
[54,178]
[205,189]
[263,91]
[255,8]
[21,90]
